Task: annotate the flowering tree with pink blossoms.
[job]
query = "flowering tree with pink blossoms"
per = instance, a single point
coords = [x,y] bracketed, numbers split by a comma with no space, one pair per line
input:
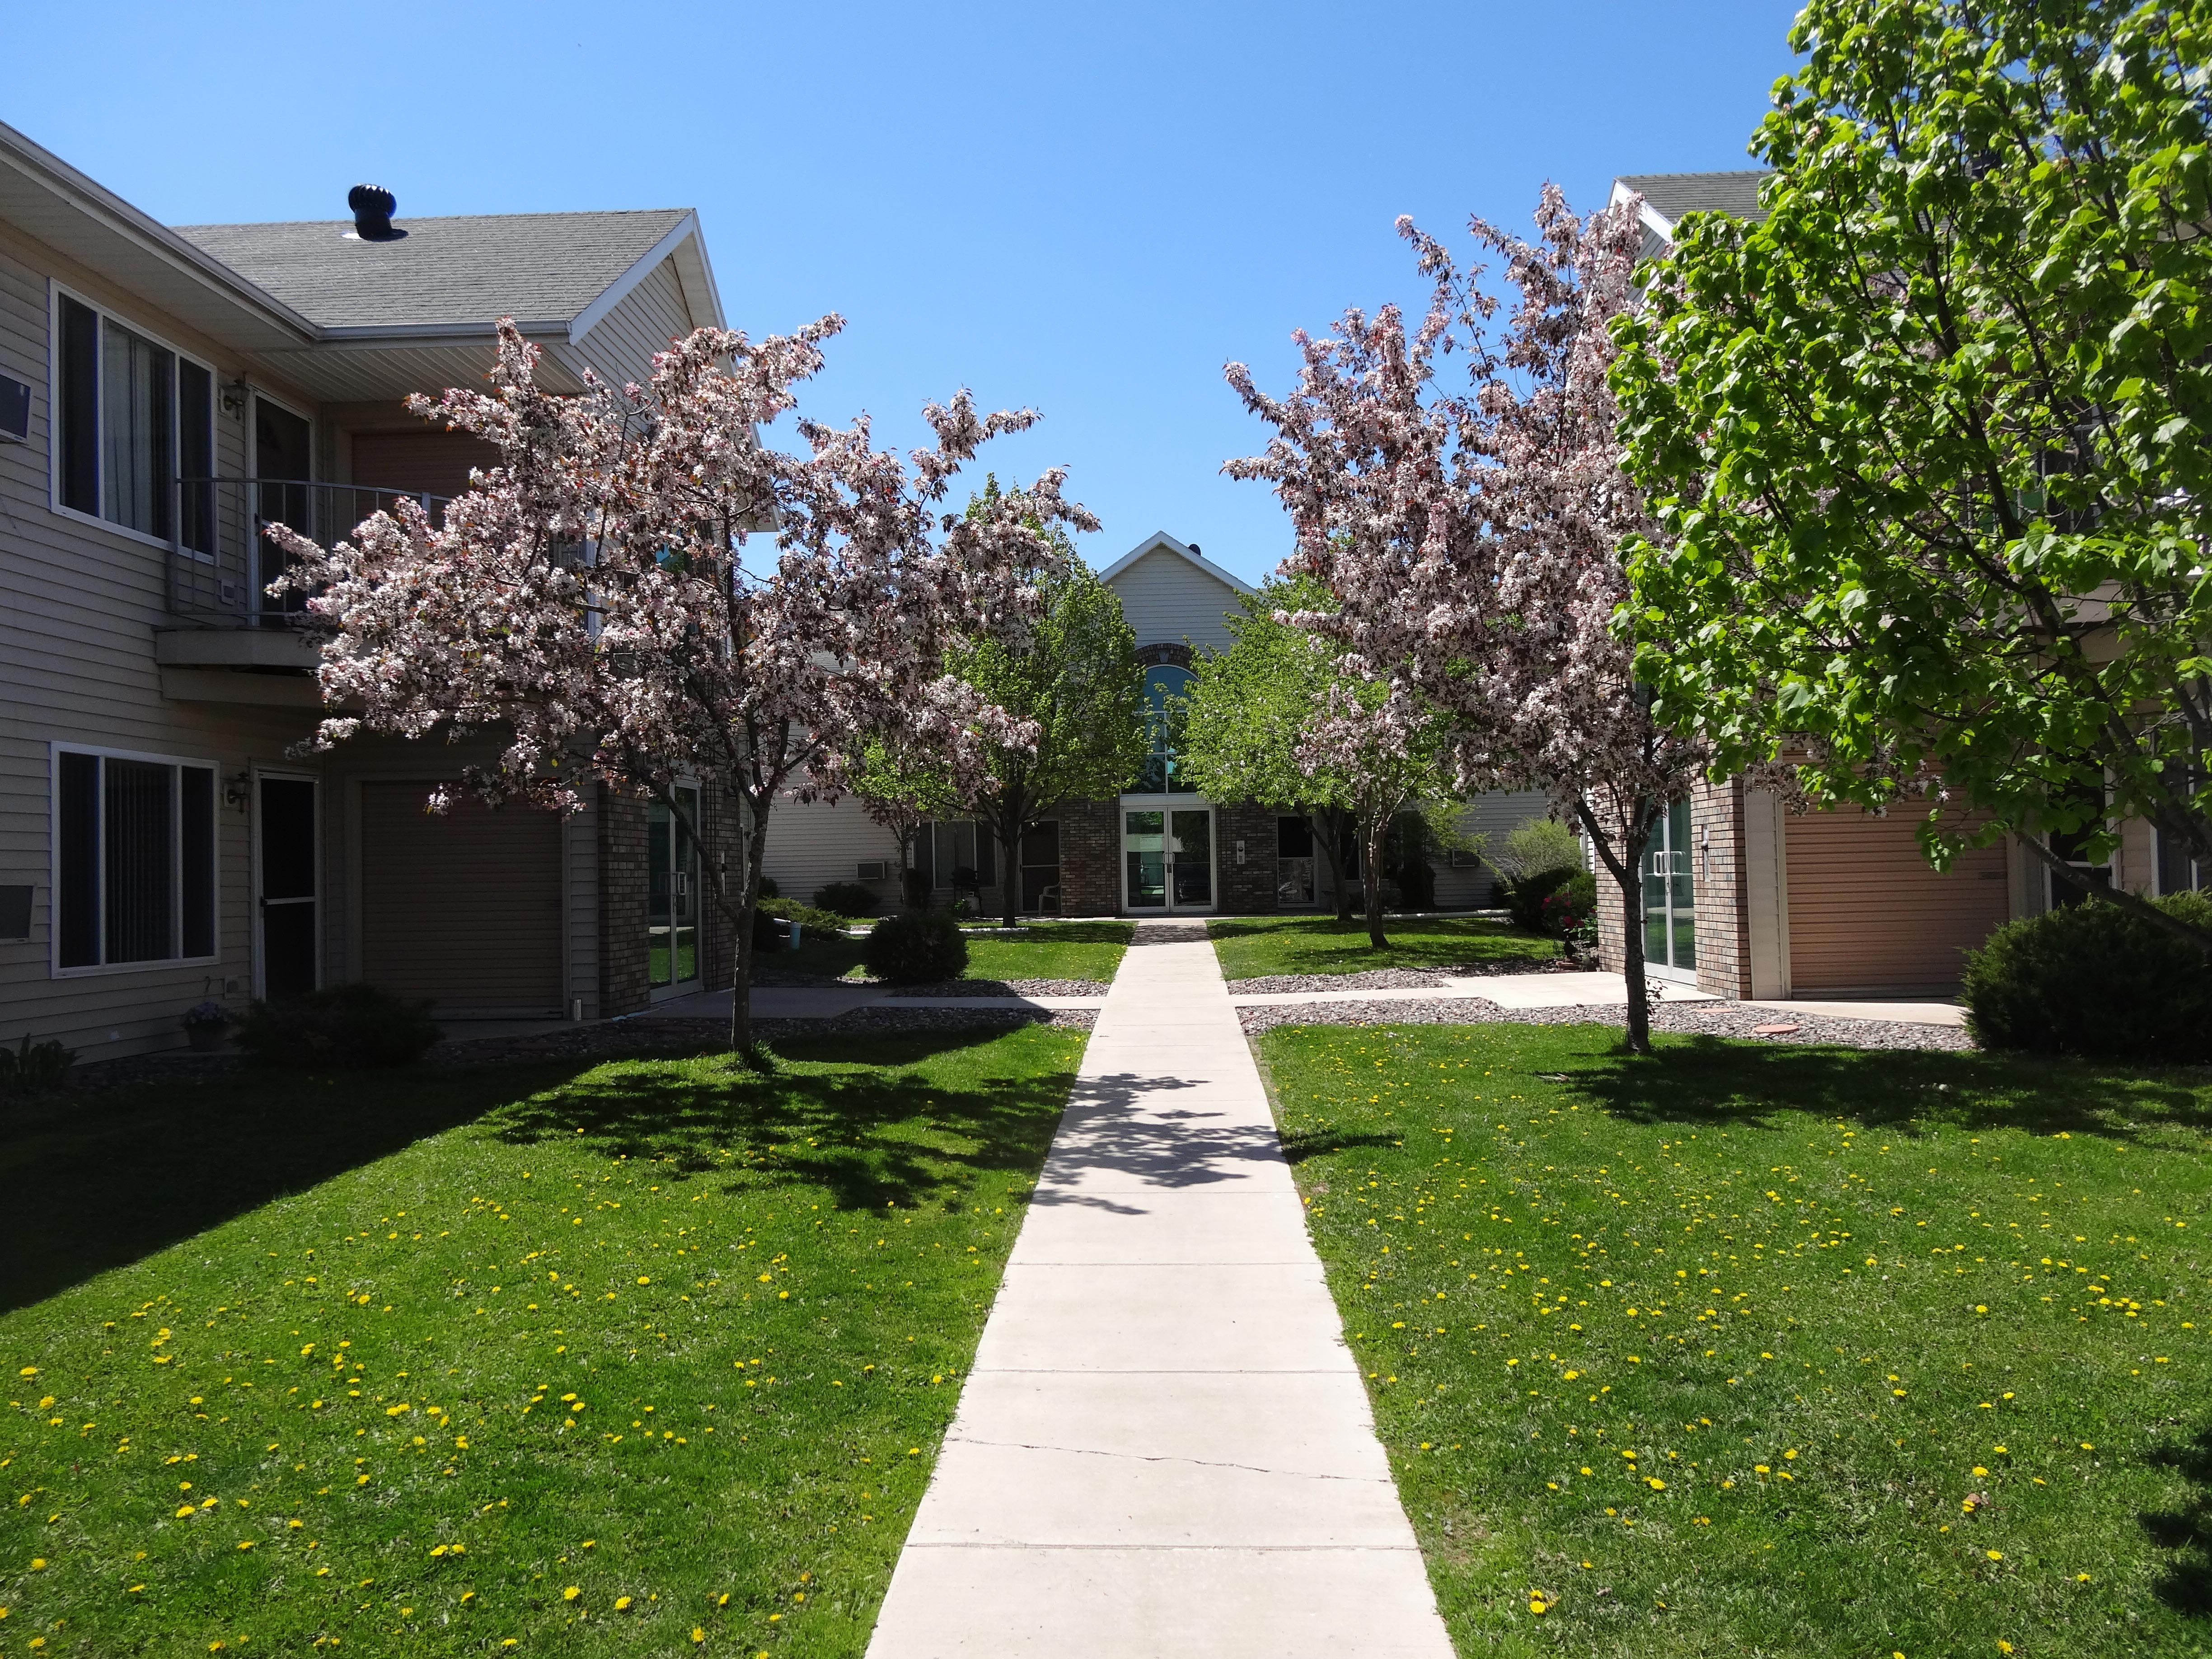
[1471,538]
[589,598]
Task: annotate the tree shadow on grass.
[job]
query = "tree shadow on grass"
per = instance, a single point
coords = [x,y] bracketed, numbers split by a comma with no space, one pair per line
[883,1135]
[87,1186]
[1708,1080]
[1323,945]
[2186,1584]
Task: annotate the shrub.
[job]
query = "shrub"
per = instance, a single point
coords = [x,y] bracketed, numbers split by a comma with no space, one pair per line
[1537,845]
[2093,979]
[916,947]
[770,930]
[846,898]
[1573,906]
[769,889]
[1525,897]
[30,1066]
[341,1027]
[813,921]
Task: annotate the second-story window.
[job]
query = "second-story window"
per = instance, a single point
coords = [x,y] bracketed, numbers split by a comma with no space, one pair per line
[133,418]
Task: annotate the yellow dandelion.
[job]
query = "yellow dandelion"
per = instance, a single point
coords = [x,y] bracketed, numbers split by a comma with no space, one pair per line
[572,1592]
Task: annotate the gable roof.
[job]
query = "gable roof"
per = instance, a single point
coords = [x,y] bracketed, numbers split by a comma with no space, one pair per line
[1668,196]
[1159,541]
[544,270]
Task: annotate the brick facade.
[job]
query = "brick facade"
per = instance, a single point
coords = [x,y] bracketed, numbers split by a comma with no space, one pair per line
[625,962]
[1245,889]
[1089,858]
[717,938]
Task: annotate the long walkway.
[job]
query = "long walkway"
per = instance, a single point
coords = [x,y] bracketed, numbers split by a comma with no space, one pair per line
[1164,1448]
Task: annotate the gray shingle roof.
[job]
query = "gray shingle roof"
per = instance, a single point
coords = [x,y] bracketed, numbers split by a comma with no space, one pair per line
[468,268]
[1671,195]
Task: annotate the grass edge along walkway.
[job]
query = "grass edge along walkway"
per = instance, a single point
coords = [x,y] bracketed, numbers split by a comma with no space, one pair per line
[1759,1348]
[618,1355]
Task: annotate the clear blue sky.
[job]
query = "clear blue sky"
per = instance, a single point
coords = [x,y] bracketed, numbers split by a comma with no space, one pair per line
[1087,209]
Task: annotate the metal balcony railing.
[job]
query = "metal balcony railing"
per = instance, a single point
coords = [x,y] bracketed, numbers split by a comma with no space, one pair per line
[221,564]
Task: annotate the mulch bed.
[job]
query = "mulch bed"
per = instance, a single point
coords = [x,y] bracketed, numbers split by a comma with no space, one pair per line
[1710,1019]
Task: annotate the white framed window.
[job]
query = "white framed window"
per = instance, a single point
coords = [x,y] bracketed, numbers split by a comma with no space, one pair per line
[134,860]
[131,417]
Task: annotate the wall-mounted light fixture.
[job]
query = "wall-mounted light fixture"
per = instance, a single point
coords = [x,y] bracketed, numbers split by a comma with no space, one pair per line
[238,790]
[233,398]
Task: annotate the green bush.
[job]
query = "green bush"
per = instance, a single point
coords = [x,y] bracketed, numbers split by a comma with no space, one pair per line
[813,921]
[769,889]
[846,898]
[30,1066]
[1535,846]
[2093,979]
[1572,905]
[340,1028]
[916,947]
[1525,897]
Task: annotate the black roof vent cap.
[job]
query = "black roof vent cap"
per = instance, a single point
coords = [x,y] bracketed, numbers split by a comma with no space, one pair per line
[372,207]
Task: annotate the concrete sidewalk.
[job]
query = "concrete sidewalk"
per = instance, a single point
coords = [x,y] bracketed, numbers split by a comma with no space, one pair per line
[1164,1446]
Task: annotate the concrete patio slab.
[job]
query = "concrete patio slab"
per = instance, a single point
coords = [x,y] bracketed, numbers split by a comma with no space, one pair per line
[1896,1013]
[1165,1446]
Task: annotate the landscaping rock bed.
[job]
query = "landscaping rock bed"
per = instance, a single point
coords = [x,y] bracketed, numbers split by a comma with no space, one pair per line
[1712,1019]
[1375,979]
[1001,988]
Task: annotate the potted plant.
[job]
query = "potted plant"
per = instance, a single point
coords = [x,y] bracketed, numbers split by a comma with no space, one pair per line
[204,1026]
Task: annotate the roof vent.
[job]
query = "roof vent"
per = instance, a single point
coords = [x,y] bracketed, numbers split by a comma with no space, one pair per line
[1194,548]
[373,206]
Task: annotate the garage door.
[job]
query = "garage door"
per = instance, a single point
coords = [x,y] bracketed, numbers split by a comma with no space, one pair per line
[462,908]
[1867,913]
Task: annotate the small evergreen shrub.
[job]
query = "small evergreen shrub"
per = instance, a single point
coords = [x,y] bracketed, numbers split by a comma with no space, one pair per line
[339,1028]
[769,889]
[1525,897]
[2093,979]
[30,1066]
[770,930]
[916,947]
[846,898]
[813,921]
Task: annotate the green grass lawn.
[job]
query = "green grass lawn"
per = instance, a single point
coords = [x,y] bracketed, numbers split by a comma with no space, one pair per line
[1252,947]
[641,1358]
[1743,1349]
[1045,950]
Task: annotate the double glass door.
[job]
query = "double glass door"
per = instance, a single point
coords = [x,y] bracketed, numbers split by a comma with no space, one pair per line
[673,893]
[1670,920]
[1167,857]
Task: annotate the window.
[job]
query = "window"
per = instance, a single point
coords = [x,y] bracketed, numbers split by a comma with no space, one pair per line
[134,860]
[133,417]
[1165,687]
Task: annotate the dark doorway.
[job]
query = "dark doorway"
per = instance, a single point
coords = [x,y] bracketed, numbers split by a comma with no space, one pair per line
[283,462]
[284,858]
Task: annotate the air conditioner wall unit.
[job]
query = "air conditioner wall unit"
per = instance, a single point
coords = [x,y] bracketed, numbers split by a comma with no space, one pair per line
[874,870]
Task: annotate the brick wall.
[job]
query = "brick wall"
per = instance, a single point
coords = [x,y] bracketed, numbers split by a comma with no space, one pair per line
[1089,858]
[718,958]
[625,963]
[1247,889]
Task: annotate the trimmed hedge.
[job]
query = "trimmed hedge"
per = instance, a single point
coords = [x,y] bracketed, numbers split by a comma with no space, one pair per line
[2095,979]
[339,1028]
[846,898]
[916,947]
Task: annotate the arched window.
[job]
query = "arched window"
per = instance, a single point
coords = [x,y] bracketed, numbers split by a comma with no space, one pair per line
[1165,687]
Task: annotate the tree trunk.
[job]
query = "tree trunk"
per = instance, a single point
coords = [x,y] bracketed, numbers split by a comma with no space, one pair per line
[2165,920]
[1628,877]
[1328,824]
[1009,832]
[1375,830]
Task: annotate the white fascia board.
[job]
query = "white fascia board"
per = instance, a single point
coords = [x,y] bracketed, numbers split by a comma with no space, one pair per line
[48,173]
[584,321]
[1647,215]
[696,273]
[1160,541]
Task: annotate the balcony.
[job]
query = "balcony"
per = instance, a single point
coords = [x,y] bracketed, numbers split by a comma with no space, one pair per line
[230,639]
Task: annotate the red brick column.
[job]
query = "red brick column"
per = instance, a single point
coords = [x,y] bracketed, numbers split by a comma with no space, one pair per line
[1247,889]
[718,938]
[1089,858]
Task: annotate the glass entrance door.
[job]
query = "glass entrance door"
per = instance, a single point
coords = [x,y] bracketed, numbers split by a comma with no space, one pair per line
[673,894]
[1670,921]
[284,874]
[1167,857]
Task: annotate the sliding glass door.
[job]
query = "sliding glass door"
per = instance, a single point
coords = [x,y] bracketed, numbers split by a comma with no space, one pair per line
[673,894]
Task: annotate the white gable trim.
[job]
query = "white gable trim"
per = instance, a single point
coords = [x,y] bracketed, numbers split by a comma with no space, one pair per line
[1647,215]
[1160,541]
[589,318]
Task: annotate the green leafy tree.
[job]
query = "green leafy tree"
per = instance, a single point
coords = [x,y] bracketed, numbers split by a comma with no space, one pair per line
[1930,446]
[1074,693]
[1275,720]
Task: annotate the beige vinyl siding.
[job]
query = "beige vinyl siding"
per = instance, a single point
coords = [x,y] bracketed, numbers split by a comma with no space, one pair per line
[79,603]
[1167,600]
[812,844]
[1869,915]
[1495,815]
[621,346]
[463,908]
